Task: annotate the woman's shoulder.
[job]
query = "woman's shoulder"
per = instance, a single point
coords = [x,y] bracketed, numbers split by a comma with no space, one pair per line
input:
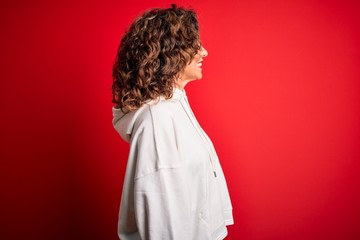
[156,110]
[155,121]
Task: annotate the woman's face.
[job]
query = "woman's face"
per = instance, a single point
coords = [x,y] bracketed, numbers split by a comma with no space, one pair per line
[193,70]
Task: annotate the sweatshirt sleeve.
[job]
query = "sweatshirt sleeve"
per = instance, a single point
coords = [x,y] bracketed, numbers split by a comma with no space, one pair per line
[157,204]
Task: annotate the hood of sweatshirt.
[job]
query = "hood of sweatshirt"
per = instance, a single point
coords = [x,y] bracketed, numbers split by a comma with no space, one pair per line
[124,122]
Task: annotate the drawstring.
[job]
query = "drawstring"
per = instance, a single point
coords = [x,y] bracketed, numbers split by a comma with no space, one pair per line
[201,133]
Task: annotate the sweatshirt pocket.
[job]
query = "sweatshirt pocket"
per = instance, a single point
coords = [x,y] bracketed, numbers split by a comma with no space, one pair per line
[204,232]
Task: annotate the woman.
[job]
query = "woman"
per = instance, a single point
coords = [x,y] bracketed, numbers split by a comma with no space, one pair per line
[174,187]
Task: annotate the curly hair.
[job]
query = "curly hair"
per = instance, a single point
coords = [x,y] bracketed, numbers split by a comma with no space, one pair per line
[152,54]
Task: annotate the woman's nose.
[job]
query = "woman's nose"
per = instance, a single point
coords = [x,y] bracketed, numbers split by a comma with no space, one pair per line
[203,52]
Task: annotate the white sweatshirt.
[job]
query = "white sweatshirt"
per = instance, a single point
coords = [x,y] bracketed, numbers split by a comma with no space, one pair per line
[174,187]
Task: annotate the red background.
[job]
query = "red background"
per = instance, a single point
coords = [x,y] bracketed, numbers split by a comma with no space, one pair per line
[280,98]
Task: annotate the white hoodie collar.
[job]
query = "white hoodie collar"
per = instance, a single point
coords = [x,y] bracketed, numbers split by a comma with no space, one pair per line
[124,122]
[178,94]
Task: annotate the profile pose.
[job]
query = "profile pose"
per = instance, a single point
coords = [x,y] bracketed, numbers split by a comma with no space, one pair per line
[174,187]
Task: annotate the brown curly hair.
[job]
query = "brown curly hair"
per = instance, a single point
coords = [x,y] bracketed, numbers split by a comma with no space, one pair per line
[152,54]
